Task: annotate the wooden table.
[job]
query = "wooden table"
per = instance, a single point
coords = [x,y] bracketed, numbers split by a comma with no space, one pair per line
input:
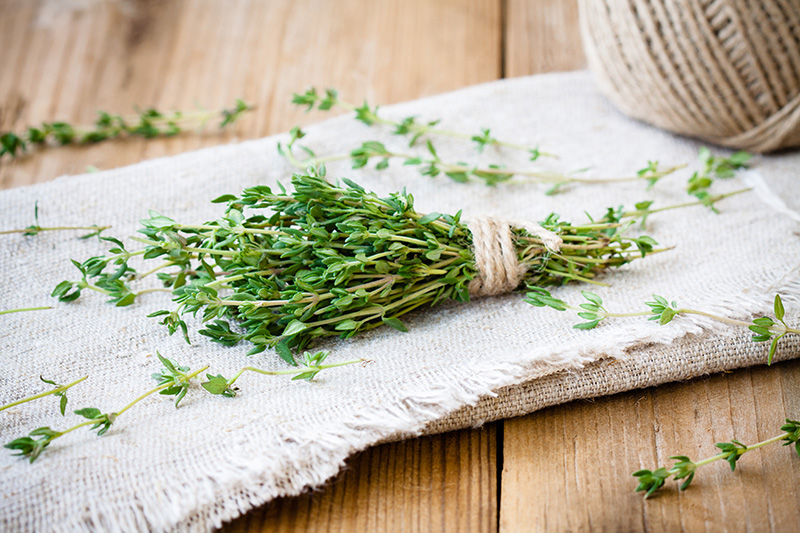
[564,468]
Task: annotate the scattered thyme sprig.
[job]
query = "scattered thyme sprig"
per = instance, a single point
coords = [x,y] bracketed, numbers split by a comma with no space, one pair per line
[37,228]
[148,124]
[684,468]
[312,364]
[173,380]
[330,259]
[25,309]
[113,284]
[408,126]
[714,167]
[432,165]
[593,312]
[60,391]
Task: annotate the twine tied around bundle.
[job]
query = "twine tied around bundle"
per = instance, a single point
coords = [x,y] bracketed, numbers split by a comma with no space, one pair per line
[499,269]
[725,71]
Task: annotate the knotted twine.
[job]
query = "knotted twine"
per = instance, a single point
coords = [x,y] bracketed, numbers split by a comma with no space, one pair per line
[499,269]
[726,71]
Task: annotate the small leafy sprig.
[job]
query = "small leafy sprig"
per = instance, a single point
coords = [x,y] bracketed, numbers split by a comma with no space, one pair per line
[714,167]
[766,328]
[661,310]
[173,379]
[432,165]
[37,228]
[60,391]
[114,284]
[310,366]
[684,468]
[148,123]
[408,126]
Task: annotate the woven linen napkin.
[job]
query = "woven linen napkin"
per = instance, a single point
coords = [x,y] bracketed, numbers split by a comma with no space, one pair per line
[214,458]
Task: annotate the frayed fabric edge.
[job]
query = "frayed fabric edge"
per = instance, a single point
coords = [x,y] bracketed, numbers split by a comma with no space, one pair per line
[416,410]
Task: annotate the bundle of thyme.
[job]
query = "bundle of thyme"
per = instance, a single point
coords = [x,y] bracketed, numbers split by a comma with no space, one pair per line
[282,269]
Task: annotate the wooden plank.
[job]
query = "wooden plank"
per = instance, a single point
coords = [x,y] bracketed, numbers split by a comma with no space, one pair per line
[441,483]
[568,468]
[578,458]
[64,60]
[542,36]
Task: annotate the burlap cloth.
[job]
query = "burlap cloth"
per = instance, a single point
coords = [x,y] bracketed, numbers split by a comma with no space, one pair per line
[161,468]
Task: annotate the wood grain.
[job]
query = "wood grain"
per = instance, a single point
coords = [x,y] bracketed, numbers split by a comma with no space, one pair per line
[441,483]
[565,468]
[63,60]
[542,36]
[66,59]
[578,458]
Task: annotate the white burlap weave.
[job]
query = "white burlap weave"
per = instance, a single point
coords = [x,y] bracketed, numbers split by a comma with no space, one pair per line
[161,468]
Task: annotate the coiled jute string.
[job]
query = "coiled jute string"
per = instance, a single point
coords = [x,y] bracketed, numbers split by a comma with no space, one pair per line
[725,71]
[499,269]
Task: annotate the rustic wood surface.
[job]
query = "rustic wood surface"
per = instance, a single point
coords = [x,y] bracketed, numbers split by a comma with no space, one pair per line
[564,468]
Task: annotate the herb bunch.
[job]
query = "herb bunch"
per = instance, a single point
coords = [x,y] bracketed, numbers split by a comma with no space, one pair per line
[148,124]
[280,270]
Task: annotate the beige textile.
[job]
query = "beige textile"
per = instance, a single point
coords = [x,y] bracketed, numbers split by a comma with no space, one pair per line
[213,458]
[726,71]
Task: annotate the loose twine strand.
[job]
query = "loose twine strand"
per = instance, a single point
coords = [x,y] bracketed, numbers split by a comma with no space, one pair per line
[499,269]
[726,71]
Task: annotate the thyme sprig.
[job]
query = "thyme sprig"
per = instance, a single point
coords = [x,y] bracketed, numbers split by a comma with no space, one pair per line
[36,227]
[281,270]
[684,468]
[173,380]
[113,284]
[408,126]
[25,309]
[60,391]
[432,165]
[714,167]
[311,365]
[34,230]
[148,123]
[593,312]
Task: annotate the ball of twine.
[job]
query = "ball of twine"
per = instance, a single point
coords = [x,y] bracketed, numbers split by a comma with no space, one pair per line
[726,71]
